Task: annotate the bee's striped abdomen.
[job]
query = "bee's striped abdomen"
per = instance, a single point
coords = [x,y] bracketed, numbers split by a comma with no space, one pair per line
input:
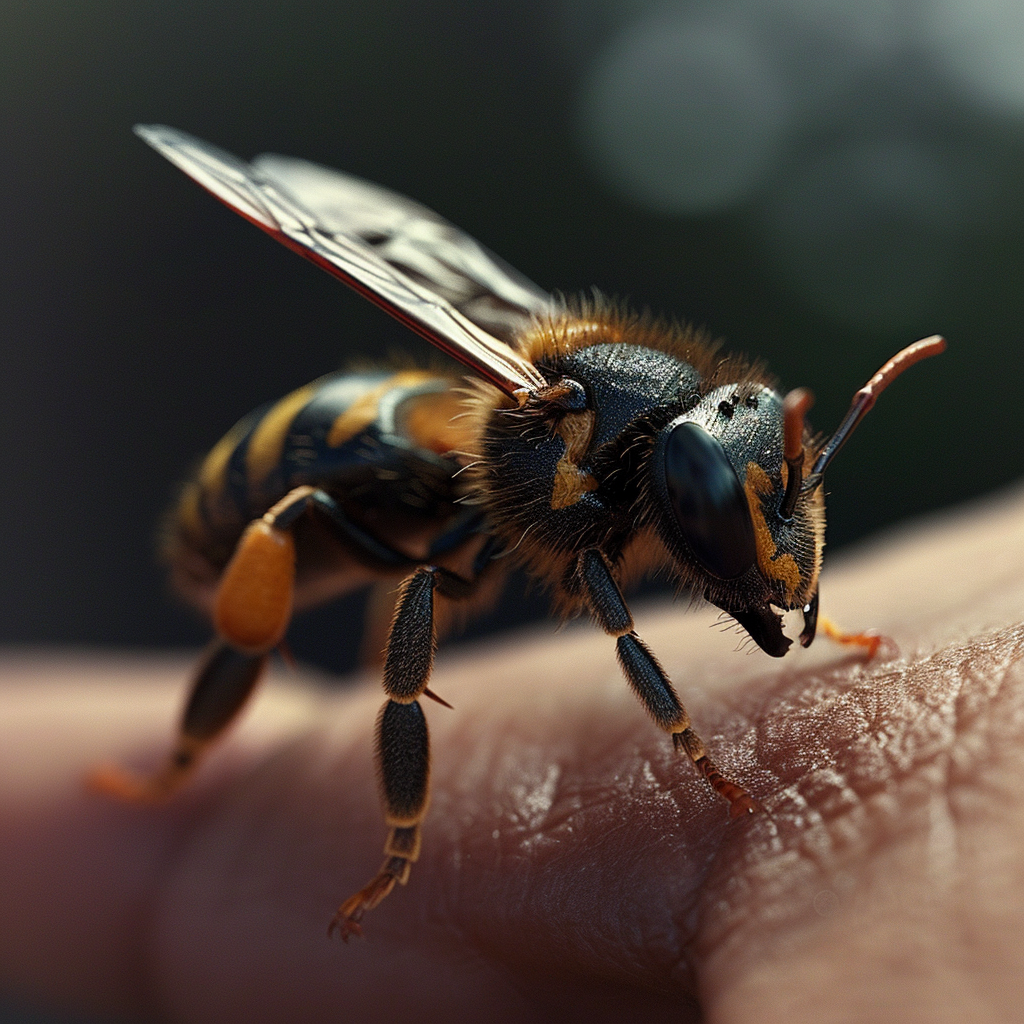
[359,436]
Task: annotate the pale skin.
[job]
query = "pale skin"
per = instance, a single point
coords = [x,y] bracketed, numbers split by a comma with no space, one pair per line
[574,867]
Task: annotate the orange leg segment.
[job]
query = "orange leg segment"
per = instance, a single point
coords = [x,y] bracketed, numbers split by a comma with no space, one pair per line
[869,641]
[252,610]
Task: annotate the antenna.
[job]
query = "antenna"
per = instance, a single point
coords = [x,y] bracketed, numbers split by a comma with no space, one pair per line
[864,399]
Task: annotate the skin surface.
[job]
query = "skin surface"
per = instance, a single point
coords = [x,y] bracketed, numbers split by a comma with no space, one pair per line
[574,868]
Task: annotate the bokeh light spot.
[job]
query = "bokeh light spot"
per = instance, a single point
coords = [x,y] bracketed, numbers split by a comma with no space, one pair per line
[981,47]
[684,113]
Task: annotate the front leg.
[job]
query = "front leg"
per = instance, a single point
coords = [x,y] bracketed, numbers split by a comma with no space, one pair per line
[868,640]
[403,746]
[648,679]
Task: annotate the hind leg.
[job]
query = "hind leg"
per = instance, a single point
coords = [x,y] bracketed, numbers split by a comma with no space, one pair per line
[251,612]
[225,680]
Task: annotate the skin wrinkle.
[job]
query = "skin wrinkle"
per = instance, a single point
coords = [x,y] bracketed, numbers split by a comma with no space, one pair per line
[829,908]
[927,739]
[606,800]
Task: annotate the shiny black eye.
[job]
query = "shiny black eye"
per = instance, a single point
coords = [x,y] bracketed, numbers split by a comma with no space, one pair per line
[707,501]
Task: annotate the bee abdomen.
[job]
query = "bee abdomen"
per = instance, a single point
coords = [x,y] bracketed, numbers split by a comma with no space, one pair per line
[375,440]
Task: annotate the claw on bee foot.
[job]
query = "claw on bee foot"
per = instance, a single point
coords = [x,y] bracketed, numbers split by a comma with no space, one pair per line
[740,801]
[111,780]
[350,913]
[119,783]
[744,804]
[346,925]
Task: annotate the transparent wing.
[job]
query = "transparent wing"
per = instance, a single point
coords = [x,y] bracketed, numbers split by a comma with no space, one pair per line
[437,291]
[414,240]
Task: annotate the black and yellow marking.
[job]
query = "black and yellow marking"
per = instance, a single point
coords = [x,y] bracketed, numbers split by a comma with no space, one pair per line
[776,566]
[382,438]
[571,482]
[265,446]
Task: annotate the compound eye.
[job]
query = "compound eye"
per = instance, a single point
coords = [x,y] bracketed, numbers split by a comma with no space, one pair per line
[708,501]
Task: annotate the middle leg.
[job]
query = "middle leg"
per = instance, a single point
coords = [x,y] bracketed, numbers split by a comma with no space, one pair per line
[403,747]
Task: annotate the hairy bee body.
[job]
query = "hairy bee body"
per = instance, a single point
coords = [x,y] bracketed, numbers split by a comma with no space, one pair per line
[406,455]
[590,445]
[591,482]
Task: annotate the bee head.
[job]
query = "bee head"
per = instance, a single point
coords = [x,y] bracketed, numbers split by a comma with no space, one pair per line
[737,509]
[720,476]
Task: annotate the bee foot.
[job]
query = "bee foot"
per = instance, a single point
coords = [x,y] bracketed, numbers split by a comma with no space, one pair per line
[111,780]
[347,920]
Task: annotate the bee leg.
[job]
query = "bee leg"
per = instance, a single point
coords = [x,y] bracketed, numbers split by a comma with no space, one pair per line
[869,641]
[648,679]
[371,551]
[465,525]
[251,612]
[225,680]
[403,758]
[810,611]
[403,748]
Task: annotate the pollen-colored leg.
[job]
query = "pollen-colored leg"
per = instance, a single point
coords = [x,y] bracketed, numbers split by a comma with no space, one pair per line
[225,680]
[252,609]
[869,641]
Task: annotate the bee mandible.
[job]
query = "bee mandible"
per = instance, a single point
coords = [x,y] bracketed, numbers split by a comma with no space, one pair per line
[590,445]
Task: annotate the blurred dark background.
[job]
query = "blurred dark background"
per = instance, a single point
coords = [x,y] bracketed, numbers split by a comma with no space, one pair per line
[818,182]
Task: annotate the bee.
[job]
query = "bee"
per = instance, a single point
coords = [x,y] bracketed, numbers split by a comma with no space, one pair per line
[589,445]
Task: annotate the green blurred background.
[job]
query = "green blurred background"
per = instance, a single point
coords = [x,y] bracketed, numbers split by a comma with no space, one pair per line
[818,182]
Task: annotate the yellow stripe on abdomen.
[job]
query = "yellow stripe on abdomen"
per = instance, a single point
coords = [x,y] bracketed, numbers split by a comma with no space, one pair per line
[266,445]
[363,411]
